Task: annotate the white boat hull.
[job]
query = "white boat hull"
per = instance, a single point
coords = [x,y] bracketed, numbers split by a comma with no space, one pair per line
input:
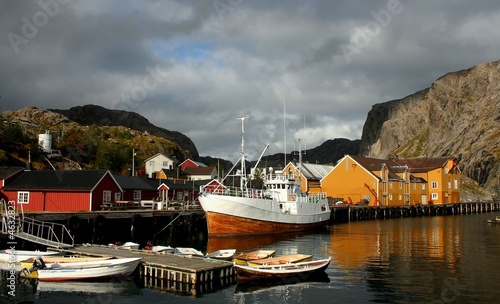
[230,215]
[89,270]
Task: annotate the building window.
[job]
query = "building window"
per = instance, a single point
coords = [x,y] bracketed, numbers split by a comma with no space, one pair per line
[449,185]
[165,164]
[390,196]
[434,196]
[455,183]
[400,185]
[414,186]
[434,185]
[106,196]
[400,196]
[137,195]
[23,197]
[152,163]
[423,186]
[390,185]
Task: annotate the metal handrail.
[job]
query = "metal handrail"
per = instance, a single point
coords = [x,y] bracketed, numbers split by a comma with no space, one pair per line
[51,232]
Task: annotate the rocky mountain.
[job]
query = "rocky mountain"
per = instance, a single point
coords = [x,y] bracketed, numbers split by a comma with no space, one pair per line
[458,115]
[93,114]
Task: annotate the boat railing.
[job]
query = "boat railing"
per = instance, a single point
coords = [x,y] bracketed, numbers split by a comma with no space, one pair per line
[315,197]
[280,177]
[238,192]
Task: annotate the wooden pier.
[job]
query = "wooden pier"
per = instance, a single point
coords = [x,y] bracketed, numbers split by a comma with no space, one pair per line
[168,272]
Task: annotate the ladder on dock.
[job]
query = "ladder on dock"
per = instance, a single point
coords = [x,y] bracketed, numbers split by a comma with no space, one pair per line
[16,225]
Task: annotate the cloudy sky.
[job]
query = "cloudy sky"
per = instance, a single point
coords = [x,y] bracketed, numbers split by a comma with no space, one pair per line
[196,66]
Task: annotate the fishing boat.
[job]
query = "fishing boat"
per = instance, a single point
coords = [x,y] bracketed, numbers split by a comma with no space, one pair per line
[83,270]
[49,260]
[223,254]
[187,251]
[15,256]
[283,271]
[280,206]
[284,259]
[243,258]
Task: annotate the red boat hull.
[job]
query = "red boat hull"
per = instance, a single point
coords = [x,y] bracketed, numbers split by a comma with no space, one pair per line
[227,225]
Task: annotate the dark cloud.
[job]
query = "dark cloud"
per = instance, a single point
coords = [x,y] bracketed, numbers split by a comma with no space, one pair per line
[195,67]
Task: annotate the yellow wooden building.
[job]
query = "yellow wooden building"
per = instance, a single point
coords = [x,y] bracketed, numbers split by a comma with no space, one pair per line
[394,182]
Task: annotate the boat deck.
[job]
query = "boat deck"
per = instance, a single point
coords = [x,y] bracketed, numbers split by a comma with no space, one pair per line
[166,271]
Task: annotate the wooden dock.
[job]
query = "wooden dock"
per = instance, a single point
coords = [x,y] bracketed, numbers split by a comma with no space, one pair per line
[169,272]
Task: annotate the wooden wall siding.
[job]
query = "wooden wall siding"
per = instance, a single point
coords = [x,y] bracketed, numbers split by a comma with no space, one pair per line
[107,183]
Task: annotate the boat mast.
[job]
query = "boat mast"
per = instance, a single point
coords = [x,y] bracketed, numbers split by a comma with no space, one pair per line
[242,152]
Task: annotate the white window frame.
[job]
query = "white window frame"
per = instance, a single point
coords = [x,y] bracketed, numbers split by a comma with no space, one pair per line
[23,197]
[434,196]
[106,196]
[118,196]
[400,185]
[137,195]
[434,185]
[455,183]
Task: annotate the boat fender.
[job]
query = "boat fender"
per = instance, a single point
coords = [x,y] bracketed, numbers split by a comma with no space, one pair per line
[74,223]
[99,221]
[136,220]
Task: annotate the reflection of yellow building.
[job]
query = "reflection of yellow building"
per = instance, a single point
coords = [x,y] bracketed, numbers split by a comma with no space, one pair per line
[358,244]
[394,182]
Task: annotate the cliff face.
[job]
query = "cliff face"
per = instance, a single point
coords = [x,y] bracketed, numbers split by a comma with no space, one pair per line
[459,115]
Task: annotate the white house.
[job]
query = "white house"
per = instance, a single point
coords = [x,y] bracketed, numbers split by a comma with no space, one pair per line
[156,163]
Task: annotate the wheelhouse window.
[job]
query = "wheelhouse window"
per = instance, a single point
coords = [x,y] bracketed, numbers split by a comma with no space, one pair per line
[23,197]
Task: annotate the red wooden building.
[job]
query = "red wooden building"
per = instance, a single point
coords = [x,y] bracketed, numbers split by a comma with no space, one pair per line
[75,190]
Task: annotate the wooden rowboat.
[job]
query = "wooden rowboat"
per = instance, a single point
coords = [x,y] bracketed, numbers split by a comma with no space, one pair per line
[283,271]
[187,251]
[49,260]
[84,270]
[243,258]
[284,259]
[223,254]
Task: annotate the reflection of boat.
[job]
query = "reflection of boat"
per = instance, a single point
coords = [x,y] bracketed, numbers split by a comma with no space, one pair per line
[243,258]
[256,286]
[49,260]
[283,259]
[84,270]
[495,221]
[111,287]
[279,207]
[10,255]
[245,243]
[284,271]
[187,251]
[223,254]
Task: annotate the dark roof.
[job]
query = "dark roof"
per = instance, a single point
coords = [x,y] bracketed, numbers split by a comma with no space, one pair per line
[6,172]
[134,182]
[423,164]
[71,179]
[199,170]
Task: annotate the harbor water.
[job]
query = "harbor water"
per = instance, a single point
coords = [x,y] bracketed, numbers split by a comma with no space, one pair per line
[438,259]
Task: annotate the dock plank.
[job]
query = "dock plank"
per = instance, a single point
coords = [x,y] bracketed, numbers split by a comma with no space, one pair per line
[166,260]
